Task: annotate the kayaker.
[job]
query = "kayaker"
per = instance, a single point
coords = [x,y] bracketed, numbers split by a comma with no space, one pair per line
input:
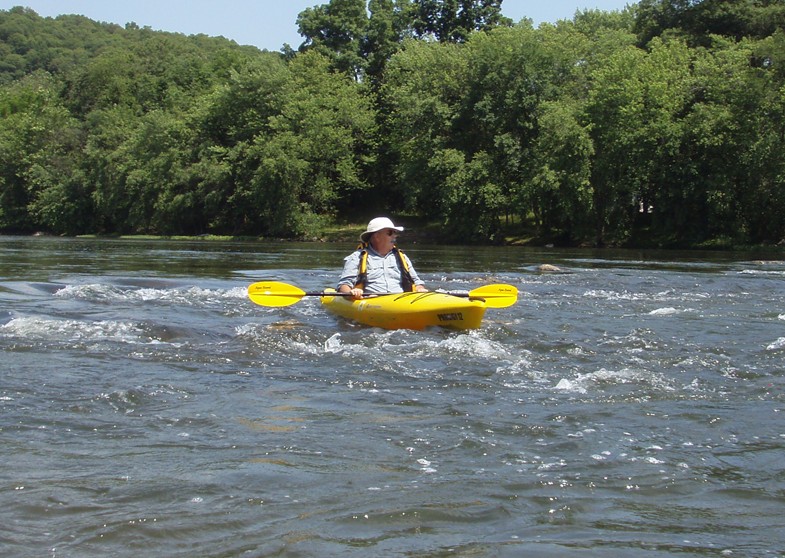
[378,266]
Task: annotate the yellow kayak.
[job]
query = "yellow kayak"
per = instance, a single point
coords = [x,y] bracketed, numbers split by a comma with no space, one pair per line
[409,310]
[457,310]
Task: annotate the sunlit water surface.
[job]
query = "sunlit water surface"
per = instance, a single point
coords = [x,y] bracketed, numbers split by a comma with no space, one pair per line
[631,405]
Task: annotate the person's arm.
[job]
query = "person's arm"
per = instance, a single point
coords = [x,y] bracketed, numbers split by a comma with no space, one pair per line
[351,268]
[419,284]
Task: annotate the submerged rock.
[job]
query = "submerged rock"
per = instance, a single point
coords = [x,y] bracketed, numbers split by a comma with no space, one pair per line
[548,268]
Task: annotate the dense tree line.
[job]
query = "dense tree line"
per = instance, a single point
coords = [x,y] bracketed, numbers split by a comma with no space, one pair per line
[662,124]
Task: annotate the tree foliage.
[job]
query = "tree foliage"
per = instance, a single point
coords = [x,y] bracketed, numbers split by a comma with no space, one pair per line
[662,124]
[455,20]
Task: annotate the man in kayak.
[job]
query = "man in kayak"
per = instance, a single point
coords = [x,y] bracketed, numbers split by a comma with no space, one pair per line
[378,266]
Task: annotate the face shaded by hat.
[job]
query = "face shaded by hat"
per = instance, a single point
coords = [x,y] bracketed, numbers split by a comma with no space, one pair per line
[376,225]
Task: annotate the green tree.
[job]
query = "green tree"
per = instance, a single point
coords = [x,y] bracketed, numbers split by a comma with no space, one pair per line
[736,131]
[315,157]
[226,121]
[561,196]
[389,24]
[104,164]
[672,134]
[509,79]
[39,146]
[474,200]
[560,193]
[164,201]
[455,20]
[424,87]
[615,110]
[107,81]
[336,30]
[699,20]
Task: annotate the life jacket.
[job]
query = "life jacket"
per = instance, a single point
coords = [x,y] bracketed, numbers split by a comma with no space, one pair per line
[407,283]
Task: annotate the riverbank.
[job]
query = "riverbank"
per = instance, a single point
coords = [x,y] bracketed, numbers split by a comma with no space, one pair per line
[418,231]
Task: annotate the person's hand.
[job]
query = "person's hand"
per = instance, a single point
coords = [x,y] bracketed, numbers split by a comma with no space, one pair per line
[356,294]
[421,288]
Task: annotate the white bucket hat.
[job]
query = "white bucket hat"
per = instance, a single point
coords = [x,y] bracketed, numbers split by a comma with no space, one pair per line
[378,224]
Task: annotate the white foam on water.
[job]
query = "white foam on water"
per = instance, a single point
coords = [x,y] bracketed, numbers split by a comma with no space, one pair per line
[761,272]
[776,345]
[648,459]
[628,296]
[333,344]
[570,385]
[582,383]
[612,295]
[286,337]
[247,330]
[49,329]
[425,466]
[414,345]
[521,366]
[522,373]
[89,292]
[669,311]
[181,295]
[474,345]
[470,344]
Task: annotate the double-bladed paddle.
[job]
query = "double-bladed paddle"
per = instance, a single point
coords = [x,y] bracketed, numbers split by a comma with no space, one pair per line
[273,293]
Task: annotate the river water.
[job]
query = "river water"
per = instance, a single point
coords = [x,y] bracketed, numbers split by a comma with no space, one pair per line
[631,405]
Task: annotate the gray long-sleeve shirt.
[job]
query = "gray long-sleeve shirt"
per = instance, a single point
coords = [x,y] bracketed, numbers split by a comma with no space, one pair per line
[384,275]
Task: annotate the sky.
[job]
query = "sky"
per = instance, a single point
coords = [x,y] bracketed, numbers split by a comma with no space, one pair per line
[266,24]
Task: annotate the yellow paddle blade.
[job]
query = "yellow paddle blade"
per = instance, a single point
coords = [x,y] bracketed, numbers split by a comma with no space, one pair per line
[273,293]
[496,296]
